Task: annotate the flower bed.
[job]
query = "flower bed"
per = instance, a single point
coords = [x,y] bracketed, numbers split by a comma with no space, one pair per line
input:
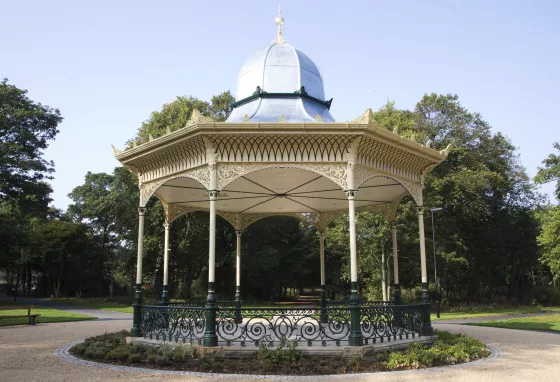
[283,359]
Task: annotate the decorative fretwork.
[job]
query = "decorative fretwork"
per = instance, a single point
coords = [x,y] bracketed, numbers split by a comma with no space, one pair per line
[184,155]
[281,148]
[229,172]
[390,159]
[387,210]
[175,211]
[200,174]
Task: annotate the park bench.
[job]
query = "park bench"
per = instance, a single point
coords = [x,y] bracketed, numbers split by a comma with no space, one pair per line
[31,317]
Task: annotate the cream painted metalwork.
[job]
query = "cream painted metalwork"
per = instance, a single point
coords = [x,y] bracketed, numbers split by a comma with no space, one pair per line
[280,153]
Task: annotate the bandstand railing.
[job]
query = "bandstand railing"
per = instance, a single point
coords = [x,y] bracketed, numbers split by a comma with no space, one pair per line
[253,326]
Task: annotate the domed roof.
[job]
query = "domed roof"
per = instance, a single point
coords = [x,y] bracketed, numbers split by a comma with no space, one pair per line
[280,83]
[280,68]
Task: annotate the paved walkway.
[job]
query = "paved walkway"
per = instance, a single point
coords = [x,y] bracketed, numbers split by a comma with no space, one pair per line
[26,354]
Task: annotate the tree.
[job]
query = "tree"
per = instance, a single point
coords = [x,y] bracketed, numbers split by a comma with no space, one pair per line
[26,127]
[551,170]
[549,239]
[484,244]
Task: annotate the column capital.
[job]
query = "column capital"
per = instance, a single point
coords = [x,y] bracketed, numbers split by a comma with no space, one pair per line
[213,194]
[166,225]
[394,225]
[420,210]
[321,234]
[351,193]
[238,232]
[141,211]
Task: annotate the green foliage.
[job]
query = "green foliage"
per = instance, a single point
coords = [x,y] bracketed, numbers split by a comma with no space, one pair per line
[551,170]
[26,127]
[549,239]
[448,349]
[284,353]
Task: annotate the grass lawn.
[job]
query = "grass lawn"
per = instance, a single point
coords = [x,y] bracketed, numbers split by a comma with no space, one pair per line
[94,303]
[498,311]
[104,304]
[546,322]
[46,315]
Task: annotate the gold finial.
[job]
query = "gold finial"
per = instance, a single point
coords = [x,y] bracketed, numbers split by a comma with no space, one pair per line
[279,20]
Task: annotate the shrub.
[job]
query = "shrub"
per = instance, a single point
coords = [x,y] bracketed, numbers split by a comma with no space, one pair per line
[274,357]
[135,358]
[120,353]
[151,358]
[78,349]
[447,349]
[95,352]
[163,360]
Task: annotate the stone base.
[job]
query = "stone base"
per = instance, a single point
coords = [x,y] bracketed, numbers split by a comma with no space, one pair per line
[331,350]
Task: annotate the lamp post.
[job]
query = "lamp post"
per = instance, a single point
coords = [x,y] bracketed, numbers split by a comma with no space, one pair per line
[434,245]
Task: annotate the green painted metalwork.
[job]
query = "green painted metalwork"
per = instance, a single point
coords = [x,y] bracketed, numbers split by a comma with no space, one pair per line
[427,329]
[379,323]
[324,318]
[210,338]
[238,302]
[397,293]
[301,93]
[137,314]
[355,338]
[164,296]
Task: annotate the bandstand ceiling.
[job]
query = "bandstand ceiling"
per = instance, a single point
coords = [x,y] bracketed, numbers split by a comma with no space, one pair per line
[279,190]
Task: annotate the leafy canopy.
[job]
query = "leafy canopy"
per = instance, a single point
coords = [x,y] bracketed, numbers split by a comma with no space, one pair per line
[26,127]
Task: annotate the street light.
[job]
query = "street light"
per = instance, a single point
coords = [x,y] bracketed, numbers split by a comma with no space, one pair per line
[434,245]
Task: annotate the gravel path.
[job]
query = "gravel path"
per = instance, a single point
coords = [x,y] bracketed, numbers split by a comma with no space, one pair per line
[26,354]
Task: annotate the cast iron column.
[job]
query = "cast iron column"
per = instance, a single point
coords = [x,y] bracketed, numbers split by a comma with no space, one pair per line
[397,287]
[238,318]
[355,338]
[323,317]
[427,329]
[164,294]
[210,338]
[137,317]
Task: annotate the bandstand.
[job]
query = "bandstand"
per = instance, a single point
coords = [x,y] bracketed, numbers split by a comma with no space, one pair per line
[281,153]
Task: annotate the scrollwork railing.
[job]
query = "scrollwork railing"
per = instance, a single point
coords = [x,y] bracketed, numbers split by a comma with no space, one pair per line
[167,323]
[386,323]
[253,326]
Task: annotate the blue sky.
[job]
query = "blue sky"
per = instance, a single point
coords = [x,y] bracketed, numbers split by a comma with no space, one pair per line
[108,64]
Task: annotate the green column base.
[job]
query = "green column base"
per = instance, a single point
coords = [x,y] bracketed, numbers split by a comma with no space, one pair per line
[397,294]
[355,338]
[137,313]
[427,329]
[210,338]
[237,316]
[164,296]
[323,316]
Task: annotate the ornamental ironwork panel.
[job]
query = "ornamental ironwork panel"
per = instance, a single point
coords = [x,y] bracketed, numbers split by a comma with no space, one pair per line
[386,323]
[185,322]
[179,324]
[272,326]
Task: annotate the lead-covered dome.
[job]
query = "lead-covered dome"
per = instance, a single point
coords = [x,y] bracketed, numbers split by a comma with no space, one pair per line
[280,83]
[280,68]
